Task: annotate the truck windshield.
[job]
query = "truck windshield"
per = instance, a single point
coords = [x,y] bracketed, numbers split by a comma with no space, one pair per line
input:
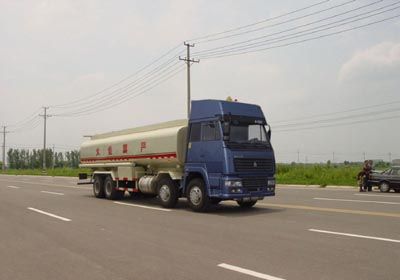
[248,133]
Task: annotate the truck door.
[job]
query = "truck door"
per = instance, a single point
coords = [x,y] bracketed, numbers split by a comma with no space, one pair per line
[211,149]
[205,148]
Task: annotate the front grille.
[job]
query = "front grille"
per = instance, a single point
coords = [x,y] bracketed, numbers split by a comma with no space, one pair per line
[253,164]
[254,184]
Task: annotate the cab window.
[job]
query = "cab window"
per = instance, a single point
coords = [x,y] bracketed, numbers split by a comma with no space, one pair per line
[195,132]
[210,131]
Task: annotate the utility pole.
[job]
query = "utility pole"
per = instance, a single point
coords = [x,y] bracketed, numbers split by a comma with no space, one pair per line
[45,116]
[390,157]
[4,147]
[364,155]
[333,157]
[54,157]
[298,156]
[188,62]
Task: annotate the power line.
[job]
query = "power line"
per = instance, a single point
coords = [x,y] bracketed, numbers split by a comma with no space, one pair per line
[154,84]
[291,29]
[83,99]
[138,91]
[256,23]
[340,118]
[279,23]
[338,124]
[124,92]
[339,112]
[251,49]
[26,120]
[304,40]
[28,126]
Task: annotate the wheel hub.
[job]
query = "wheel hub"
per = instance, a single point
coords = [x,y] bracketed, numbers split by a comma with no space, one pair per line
[195,195]
[164,193]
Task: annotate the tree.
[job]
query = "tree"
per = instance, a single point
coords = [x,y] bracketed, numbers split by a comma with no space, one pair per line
[25,159]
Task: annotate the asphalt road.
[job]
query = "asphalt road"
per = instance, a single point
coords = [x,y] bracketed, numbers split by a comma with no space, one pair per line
[52,229]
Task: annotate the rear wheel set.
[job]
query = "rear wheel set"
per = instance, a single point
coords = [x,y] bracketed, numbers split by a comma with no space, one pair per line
[98,187]
[111,191]
[106,188]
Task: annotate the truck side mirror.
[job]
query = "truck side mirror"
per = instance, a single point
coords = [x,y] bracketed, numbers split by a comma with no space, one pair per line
[226,129]
[269,132]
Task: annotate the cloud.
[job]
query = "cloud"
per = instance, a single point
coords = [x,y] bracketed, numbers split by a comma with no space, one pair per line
[377,63]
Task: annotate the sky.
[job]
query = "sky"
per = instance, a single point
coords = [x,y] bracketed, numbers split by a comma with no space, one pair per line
[58,52]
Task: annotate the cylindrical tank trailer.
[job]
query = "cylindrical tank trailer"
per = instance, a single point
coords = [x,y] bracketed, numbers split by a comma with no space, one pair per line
[161,145]
[136,158]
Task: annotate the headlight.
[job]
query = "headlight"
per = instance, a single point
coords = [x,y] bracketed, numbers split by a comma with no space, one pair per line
[271,182]
[233,183]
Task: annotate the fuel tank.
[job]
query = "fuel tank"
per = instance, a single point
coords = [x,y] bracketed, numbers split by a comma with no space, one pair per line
[159,145]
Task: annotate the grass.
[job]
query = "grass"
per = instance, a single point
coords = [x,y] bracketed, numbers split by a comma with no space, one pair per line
[317,174]
[68,172]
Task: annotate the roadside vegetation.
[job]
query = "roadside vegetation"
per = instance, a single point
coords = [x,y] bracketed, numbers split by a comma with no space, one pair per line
[344,174]
[323,174]
[65,171]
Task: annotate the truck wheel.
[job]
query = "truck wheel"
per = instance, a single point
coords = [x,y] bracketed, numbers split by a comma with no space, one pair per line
[98,187]
[197,196]
[384,187]
[167,193]
[247,204]
[110,191]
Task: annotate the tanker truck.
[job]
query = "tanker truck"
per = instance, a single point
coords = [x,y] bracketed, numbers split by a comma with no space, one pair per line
[222,152]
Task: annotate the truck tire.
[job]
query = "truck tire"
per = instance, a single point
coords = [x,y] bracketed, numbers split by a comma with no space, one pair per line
[98,187]
[197,196]
[247,204]
[110,191]
[384,187]
[167,192]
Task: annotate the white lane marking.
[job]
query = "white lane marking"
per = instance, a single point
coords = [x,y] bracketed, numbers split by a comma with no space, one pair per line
[13,187]
[56,193]
[377,195]
[142,206]
[313,188]
[354,200]
[355,235]
[46,184]
[49,214]
[249,272]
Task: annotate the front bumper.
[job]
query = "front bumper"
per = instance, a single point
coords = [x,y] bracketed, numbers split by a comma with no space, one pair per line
[252,189]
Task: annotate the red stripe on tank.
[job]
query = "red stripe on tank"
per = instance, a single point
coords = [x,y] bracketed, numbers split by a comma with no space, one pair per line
[115,158]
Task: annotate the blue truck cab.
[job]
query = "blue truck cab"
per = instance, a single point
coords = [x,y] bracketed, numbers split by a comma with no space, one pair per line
[229,155]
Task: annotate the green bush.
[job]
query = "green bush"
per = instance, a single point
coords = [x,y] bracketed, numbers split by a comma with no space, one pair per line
[318,174]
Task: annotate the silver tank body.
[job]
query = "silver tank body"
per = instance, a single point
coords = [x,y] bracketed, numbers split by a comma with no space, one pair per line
[157,146]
